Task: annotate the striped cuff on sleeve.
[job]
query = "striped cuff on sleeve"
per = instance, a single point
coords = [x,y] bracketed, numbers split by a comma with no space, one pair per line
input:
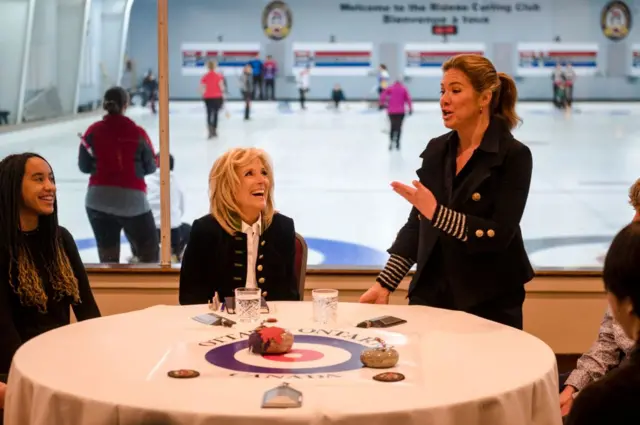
[451,222]
[394,271]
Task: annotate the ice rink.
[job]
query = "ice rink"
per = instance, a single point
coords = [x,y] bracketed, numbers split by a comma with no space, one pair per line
[333,169]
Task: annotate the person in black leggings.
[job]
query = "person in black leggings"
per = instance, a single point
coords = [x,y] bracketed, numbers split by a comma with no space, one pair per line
[395,98]
[396,129]
[118,154]
[212,88]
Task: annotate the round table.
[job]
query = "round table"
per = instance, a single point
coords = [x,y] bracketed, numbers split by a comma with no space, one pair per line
[458,368]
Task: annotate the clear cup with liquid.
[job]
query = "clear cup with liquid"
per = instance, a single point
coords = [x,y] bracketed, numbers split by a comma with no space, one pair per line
[325,305]
[248,305]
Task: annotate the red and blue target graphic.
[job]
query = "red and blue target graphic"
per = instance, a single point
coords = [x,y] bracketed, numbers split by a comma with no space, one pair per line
[310,354]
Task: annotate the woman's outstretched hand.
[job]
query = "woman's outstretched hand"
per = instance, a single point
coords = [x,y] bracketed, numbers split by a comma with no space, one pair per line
[419,196]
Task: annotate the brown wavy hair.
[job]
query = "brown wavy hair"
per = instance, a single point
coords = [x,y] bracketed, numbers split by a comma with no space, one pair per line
[483,76]
[634,195]
[24,278]
[224,183]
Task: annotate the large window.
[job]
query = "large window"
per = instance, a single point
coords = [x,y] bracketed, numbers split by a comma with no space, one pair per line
[332,166]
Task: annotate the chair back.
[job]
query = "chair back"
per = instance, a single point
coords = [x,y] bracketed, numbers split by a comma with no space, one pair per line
[301,263]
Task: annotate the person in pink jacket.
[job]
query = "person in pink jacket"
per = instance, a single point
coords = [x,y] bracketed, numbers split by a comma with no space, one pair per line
[396,97]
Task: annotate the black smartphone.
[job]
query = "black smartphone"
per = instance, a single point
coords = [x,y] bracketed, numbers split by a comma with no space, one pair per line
[382,322]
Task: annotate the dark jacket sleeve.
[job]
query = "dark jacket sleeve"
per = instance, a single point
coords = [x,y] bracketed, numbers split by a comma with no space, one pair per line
[289,255]
[193,289]
[494,233]
[87,308]
[86,161]
[147,153]
[10,340]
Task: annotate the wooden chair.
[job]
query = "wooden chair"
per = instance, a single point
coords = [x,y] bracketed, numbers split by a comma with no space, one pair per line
[300,263]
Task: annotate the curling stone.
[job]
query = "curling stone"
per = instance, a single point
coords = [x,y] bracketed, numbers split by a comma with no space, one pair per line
[381,357]
[270,340]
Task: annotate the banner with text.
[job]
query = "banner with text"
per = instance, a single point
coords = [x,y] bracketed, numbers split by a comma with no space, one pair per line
[635,60]
[230,57]
[333,59]
[539,59]
[426,59]
[463,13]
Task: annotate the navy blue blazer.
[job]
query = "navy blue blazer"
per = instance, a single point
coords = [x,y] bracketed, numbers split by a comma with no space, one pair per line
[215,261]
[478,223]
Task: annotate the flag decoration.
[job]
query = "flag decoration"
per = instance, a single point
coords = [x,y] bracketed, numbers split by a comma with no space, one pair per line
[230,57]
[333,59]
[539,59]
[426,59]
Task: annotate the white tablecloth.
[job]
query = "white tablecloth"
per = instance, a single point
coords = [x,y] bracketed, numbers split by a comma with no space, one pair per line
[459,369]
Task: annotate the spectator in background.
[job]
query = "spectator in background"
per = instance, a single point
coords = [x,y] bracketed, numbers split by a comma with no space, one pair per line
[246,87]
[304,83]
[270,73]
[179,230]
[150,88]
[557,76]
[395,97]
[118,154]
[129,82]
[569,80]
[212,87]
[258,68]
[383,78]
[337,95]
[4,117]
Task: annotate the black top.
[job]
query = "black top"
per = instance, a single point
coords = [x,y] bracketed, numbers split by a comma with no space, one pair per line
[434,283]
[612,400]
[18,323]
[216,261]
[475,230]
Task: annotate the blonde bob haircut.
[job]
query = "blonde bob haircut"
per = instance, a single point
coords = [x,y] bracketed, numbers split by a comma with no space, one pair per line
[224,183]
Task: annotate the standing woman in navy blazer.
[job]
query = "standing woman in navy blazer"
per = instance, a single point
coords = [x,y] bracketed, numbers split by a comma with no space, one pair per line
[464,228]
[243,241]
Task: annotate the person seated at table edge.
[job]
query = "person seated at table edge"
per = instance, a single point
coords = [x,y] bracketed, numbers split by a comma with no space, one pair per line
[41,272]
[614,398]
[243,241]
[610,350]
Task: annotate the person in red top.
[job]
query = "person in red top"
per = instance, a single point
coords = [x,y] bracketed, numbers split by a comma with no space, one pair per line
[118,154]
[212,87]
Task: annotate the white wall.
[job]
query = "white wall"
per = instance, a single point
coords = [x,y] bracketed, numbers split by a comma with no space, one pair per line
[104,50]
[70,37]
[75,47]
[90,74]
[42,70]
[13,38]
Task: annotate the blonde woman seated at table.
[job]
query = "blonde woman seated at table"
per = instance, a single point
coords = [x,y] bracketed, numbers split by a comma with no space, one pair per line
[243,241]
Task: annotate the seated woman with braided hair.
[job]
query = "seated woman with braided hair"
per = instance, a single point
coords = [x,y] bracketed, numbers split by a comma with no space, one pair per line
[41,273]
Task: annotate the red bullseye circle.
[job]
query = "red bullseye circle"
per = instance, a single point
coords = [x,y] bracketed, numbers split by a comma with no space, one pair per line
[295,356]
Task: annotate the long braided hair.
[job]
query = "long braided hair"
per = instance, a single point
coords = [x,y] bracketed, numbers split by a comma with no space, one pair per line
[23,275]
